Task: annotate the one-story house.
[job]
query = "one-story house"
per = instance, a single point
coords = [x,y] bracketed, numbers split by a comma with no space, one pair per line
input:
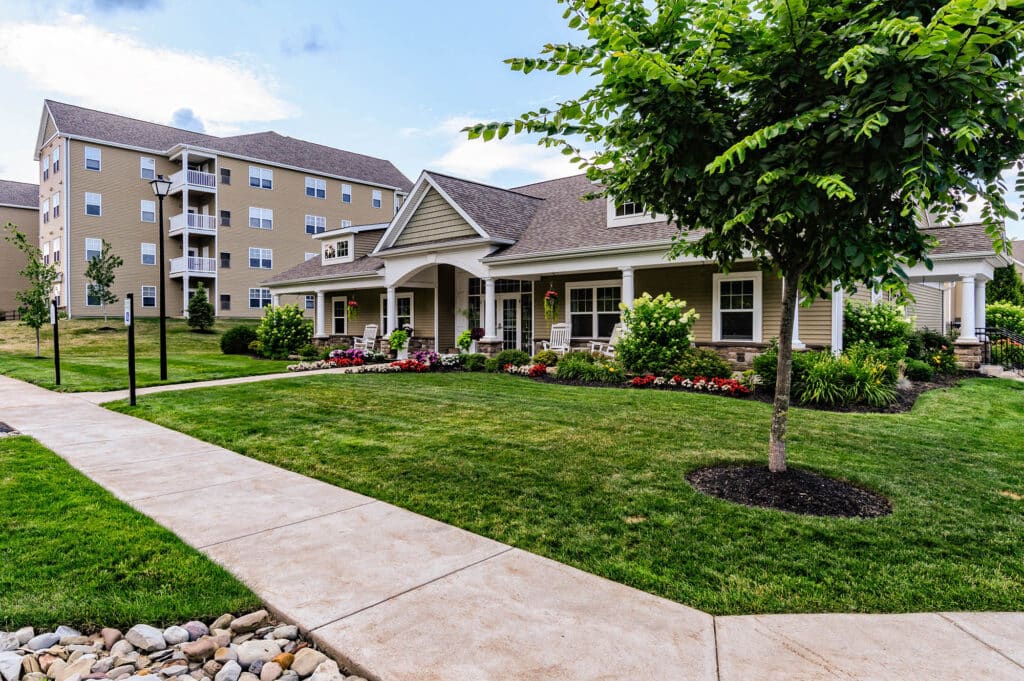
[461,254]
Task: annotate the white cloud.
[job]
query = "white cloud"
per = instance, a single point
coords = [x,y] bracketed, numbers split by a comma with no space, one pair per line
[478,160]
[74,59]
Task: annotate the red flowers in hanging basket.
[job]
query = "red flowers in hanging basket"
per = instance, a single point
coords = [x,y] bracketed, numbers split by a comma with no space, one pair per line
[353,309]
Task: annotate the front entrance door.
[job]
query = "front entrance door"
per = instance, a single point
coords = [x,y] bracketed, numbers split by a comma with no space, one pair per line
[509,320]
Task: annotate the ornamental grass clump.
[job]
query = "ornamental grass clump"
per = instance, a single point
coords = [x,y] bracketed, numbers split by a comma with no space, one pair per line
[282,331]
[658,334]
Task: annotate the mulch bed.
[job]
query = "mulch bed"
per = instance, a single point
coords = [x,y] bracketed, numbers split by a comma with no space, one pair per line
[796,491]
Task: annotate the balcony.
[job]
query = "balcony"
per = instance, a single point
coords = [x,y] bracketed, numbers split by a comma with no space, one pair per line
[193,180]
[194,223]
[193,266]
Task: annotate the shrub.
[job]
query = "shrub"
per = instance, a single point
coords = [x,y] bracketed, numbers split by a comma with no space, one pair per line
[548,358]
[577,355]
[491,365]
[256,347]
[766,364]
[475,362]
[657,334]
[916,370]
[580,366]
[1005,316]
[883,325]
[236,340]
[516,358]
[282,331]
[706,363]
[309,351]
[887,360]
[934,349]
[200,310]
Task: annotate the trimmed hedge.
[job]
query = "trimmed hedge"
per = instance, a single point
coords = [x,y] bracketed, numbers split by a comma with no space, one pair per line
[236,340]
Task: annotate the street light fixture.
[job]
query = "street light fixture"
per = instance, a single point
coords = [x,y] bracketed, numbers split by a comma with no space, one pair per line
[161,187]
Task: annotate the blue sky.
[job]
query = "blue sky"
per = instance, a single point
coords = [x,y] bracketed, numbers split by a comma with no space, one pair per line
[394,79]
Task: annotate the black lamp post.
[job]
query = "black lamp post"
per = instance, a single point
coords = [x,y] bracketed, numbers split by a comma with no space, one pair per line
[161,186]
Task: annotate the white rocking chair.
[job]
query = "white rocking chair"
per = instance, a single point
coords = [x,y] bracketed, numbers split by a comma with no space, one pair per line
[559,342]
[369,339]
[608,349]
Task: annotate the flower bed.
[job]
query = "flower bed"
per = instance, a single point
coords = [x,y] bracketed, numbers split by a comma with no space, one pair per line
[725,386]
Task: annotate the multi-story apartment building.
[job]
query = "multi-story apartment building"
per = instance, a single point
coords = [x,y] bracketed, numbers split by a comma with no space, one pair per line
[240,208]
[19,203]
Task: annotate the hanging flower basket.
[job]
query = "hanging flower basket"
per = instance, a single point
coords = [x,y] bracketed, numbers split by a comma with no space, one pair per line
[551,305]
[353,309]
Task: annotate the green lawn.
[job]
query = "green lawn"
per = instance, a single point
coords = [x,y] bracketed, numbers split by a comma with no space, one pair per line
[597,478]
[72,554]
[98,360]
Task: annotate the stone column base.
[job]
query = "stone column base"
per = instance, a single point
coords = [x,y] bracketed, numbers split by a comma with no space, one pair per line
[489,348]
[968,356]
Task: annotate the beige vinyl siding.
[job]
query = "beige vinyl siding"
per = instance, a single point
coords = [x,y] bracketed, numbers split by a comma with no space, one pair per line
[365,242]
[423,312]
[434,220]
[445,308]
[816,323]
[926,307]
[50,130]
[12,260]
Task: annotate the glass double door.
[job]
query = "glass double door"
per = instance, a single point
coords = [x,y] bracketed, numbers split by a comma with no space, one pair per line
[514,326]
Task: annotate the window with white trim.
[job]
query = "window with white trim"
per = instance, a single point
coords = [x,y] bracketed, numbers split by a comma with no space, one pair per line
[147,168]
[56,205]
[339,315]
[403,303]
[309,256]
[378,199]
[46,211]
[261,218]
[340,249]
[628,208]
[261,258]
[398,203]
[147,209]
[310,302]
[93,248]
[315,188]
[593,308]
[148,254]
[149,296]
[736,307]
[56,160]
[315,224]
[92,298]
[346,193]
[261,178]
[93,204]
[259,298]
[346,223]
[93,158]
[46,254]
[225,301]
[46,167]
[56,250]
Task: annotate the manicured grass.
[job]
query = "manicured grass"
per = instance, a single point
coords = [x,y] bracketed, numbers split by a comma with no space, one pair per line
[597,478]
[73,554]
[98,360]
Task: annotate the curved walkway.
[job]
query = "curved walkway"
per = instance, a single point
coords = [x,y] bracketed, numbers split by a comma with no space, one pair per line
[402,597]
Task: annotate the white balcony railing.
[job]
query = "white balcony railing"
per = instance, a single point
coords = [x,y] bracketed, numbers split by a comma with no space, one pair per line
[193,179]
[194,265]
[195,222]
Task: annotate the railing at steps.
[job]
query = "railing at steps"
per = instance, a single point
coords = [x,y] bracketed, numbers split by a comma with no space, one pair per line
[1002,347]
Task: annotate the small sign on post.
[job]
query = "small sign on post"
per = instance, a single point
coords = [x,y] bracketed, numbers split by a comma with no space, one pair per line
[56,341]
[129,321]
[128,310]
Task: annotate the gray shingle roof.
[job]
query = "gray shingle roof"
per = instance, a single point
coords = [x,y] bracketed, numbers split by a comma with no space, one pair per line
[19,194]
[270,147]
[963,238]
[312,270]
[502,213]
[1018,250]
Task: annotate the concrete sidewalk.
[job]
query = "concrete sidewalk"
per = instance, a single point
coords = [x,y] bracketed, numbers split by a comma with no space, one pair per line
[400,597]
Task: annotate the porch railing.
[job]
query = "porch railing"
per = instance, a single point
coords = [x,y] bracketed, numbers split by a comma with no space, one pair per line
[1002,347]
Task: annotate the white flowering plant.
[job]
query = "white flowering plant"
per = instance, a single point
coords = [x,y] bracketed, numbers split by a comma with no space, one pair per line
[658,334]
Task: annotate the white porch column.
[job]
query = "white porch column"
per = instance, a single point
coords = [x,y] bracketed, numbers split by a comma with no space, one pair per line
[967,320]
[320,314]
[979,303]
[277,300]
[490,334]
[797,343]
[628,292]
[837,320]
[392,310]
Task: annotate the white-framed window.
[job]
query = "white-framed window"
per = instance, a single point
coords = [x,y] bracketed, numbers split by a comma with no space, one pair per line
[378,199]
[46,254]
[339,315]
[309,256]
[261,178]
[56,250]
[56,160]
[259,298]
[93,158]
[149,296]
[315,224]
[398,203]
[46,167]
[346,223]
[148,254]
[261,218]
[93,204]
[92,298]
[261,258]
[46,211]
[310,302]
[56,205]
[593,308]
[339,249]
[147,168]
[93,248]
[628,208]
[147,209]
[736,307]
[403,303]
[315,188]
[346,193]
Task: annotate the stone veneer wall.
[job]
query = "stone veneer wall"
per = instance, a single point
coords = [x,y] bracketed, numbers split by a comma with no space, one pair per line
[968,355]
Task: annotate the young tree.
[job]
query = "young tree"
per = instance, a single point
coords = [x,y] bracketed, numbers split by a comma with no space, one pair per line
[200,310]
[803,134]
[35,299]
[100,274]
[1006,287]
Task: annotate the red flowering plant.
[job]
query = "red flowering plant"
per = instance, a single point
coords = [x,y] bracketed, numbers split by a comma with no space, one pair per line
[353,309]
[643,381]
[411,365]
[537,370]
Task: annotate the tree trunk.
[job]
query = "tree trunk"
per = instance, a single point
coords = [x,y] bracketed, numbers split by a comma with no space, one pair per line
[784,376]
[39,352]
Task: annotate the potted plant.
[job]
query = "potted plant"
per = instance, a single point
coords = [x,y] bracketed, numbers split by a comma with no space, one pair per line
[551,304]
[353,309]
[464,341]
[399,342]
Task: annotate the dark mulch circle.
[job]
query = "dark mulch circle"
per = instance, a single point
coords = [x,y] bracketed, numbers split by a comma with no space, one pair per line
[796,491]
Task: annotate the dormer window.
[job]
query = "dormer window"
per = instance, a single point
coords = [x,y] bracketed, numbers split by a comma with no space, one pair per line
[628,208]
[629,213]
[338,250]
